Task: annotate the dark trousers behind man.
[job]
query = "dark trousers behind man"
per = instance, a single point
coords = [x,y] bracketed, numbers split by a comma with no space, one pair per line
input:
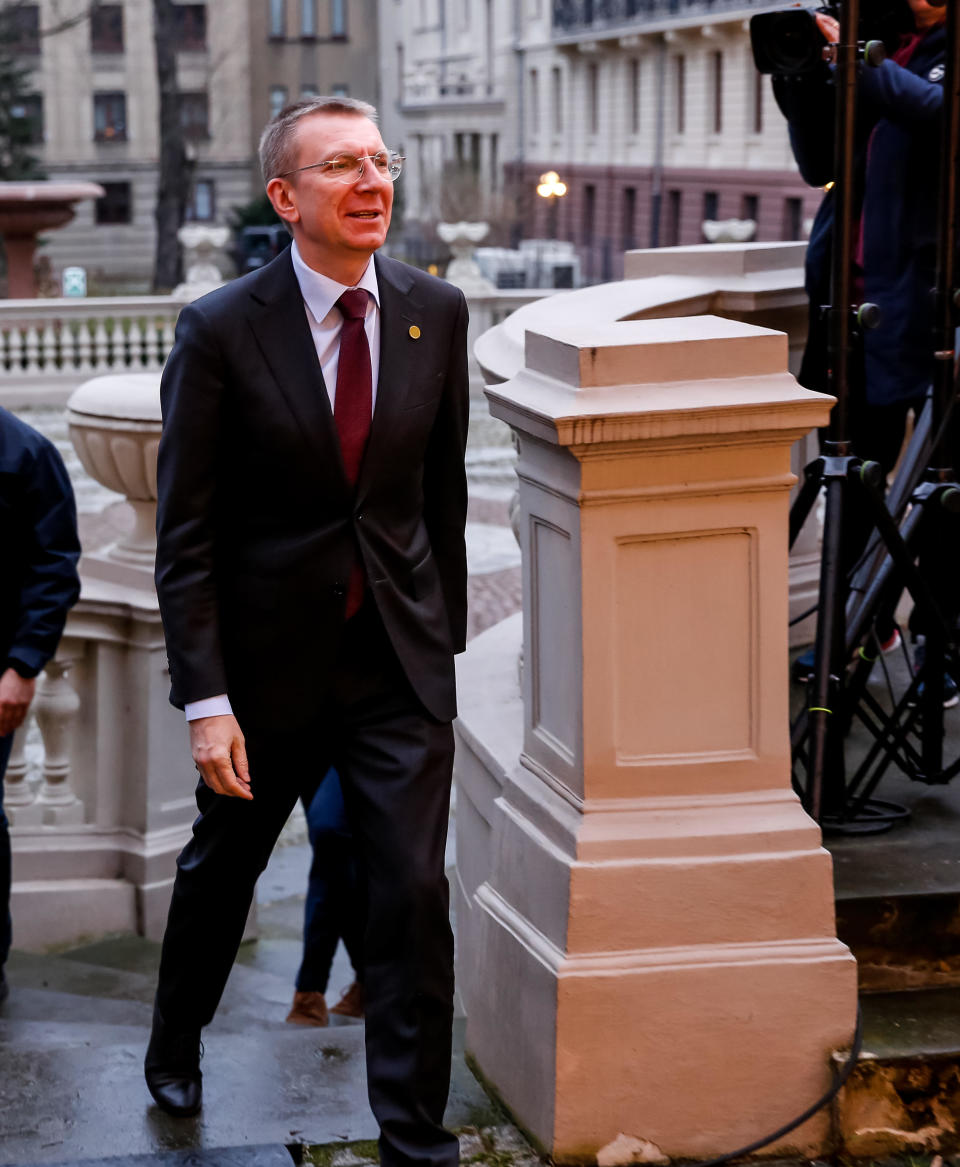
[395,764]
[6,931]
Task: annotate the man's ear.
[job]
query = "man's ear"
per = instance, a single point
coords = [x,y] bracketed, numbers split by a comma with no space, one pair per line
[281,196]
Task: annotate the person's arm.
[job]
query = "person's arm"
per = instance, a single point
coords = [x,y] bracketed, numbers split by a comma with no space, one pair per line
[900,96]
[50,583]
[808,104]
[445,482]
[191,396]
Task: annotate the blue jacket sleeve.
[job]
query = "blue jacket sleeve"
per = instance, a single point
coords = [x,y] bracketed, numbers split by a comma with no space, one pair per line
[900,96]
[50,584]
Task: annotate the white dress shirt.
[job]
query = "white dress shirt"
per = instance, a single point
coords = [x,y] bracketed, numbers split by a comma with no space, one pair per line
[320,296]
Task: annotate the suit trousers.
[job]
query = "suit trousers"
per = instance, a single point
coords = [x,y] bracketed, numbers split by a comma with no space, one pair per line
[395,763]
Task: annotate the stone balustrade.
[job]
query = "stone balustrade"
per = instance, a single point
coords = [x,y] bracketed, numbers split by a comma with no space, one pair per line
[47,347]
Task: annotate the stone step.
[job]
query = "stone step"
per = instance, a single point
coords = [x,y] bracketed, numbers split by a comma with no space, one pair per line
[898,894]
[74,1089]
[904,1094]
[254,996]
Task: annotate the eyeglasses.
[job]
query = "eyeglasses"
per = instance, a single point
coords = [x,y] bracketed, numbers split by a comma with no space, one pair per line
[349,168]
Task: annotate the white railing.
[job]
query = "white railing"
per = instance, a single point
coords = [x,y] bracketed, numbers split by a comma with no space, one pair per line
[48,347]
[69,339]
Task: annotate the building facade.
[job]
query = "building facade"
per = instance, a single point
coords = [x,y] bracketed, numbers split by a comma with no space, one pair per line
[301,48]
[95,108]
[448,105]
[650,111]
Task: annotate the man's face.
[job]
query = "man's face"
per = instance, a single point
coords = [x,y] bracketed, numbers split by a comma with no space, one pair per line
[342,220]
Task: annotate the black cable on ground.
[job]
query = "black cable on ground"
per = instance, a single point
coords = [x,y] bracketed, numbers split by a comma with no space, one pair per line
[839,1080]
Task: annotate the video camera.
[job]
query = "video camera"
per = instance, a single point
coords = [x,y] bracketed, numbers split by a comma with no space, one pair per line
[788,42]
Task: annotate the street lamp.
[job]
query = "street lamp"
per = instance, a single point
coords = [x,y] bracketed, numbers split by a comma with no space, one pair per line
[550,186]
[551,189]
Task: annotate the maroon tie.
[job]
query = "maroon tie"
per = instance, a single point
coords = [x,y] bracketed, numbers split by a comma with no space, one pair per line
[353,408]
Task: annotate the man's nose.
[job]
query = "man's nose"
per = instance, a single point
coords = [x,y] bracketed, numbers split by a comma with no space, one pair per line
[371,177]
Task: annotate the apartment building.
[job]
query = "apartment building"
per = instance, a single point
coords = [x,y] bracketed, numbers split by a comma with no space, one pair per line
[94,109]
[650,111]
[301,48]
[94,106]
[446,72]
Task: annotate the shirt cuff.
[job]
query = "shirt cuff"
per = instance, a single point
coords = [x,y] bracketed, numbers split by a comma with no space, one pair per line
[208,707]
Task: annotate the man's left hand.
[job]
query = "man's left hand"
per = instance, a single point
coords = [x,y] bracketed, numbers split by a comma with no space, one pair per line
[16,693]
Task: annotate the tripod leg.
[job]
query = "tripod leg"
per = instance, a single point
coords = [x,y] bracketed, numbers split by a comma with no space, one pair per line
[825,779]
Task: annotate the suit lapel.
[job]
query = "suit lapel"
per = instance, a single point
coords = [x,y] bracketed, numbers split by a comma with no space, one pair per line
[279,323]
[399,310]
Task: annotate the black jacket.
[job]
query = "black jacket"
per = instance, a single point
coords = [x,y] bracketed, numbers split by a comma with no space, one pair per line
[897,184]
[39,547]
[256,522]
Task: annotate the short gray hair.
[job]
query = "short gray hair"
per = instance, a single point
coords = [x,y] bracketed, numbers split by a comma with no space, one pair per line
[277,140]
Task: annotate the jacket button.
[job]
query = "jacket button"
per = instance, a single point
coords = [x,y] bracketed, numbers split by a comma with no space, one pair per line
[338,589]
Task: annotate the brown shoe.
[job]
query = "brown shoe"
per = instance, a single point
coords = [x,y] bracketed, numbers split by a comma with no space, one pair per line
[351,1003]
[308,1009]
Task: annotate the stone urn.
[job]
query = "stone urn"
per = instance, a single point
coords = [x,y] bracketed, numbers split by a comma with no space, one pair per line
[729,230]
[463,270]
[27,209]
[200,244]
[114,424]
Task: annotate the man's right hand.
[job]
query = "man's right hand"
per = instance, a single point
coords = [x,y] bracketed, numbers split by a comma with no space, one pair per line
[220,755]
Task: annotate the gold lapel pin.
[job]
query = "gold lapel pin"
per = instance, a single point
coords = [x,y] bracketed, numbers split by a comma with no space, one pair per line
[414,332]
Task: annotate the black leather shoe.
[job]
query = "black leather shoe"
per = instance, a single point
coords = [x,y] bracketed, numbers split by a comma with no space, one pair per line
[4,987]
[172,1069]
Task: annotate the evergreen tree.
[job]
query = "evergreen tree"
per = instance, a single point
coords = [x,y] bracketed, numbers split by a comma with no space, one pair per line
[17,128]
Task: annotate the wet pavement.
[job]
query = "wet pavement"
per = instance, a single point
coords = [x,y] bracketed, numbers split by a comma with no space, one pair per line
[74,1030]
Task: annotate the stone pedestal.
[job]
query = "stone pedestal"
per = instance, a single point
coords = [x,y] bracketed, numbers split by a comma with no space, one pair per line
[94,848]
[646,910]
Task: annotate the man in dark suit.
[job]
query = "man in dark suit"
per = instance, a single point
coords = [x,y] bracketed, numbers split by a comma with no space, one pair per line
[39,550]
[311,570]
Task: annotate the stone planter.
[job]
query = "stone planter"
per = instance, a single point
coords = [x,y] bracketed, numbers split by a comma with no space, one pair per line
[115,425]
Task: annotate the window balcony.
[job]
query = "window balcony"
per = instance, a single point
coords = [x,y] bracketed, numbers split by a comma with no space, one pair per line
[573,18]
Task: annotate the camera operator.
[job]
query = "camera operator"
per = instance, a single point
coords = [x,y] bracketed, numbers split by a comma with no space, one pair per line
[896,181]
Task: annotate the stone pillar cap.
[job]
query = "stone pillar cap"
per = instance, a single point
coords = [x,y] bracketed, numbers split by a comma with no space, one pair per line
[688,377]
[647,352]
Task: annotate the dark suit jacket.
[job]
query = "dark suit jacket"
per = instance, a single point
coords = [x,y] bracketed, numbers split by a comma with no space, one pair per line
[256,522]
[39,548]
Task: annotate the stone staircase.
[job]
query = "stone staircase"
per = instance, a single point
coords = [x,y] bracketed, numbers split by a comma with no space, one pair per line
[898,908]
[74,1030]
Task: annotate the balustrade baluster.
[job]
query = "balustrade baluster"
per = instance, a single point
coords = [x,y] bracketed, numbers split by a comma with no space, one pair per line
[56,707]
[16,788]
[48,348]
[146,343]
[84,347]
[31,346]
[15,349]
[101,347]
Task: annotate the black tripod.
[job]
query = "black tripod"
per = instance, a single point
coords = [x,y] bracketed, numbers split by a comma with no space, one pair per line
[910,556]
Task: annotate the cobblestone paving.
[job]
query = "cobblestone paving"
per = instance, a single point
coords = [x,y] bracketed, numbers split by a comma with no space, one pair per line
[483,1146]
